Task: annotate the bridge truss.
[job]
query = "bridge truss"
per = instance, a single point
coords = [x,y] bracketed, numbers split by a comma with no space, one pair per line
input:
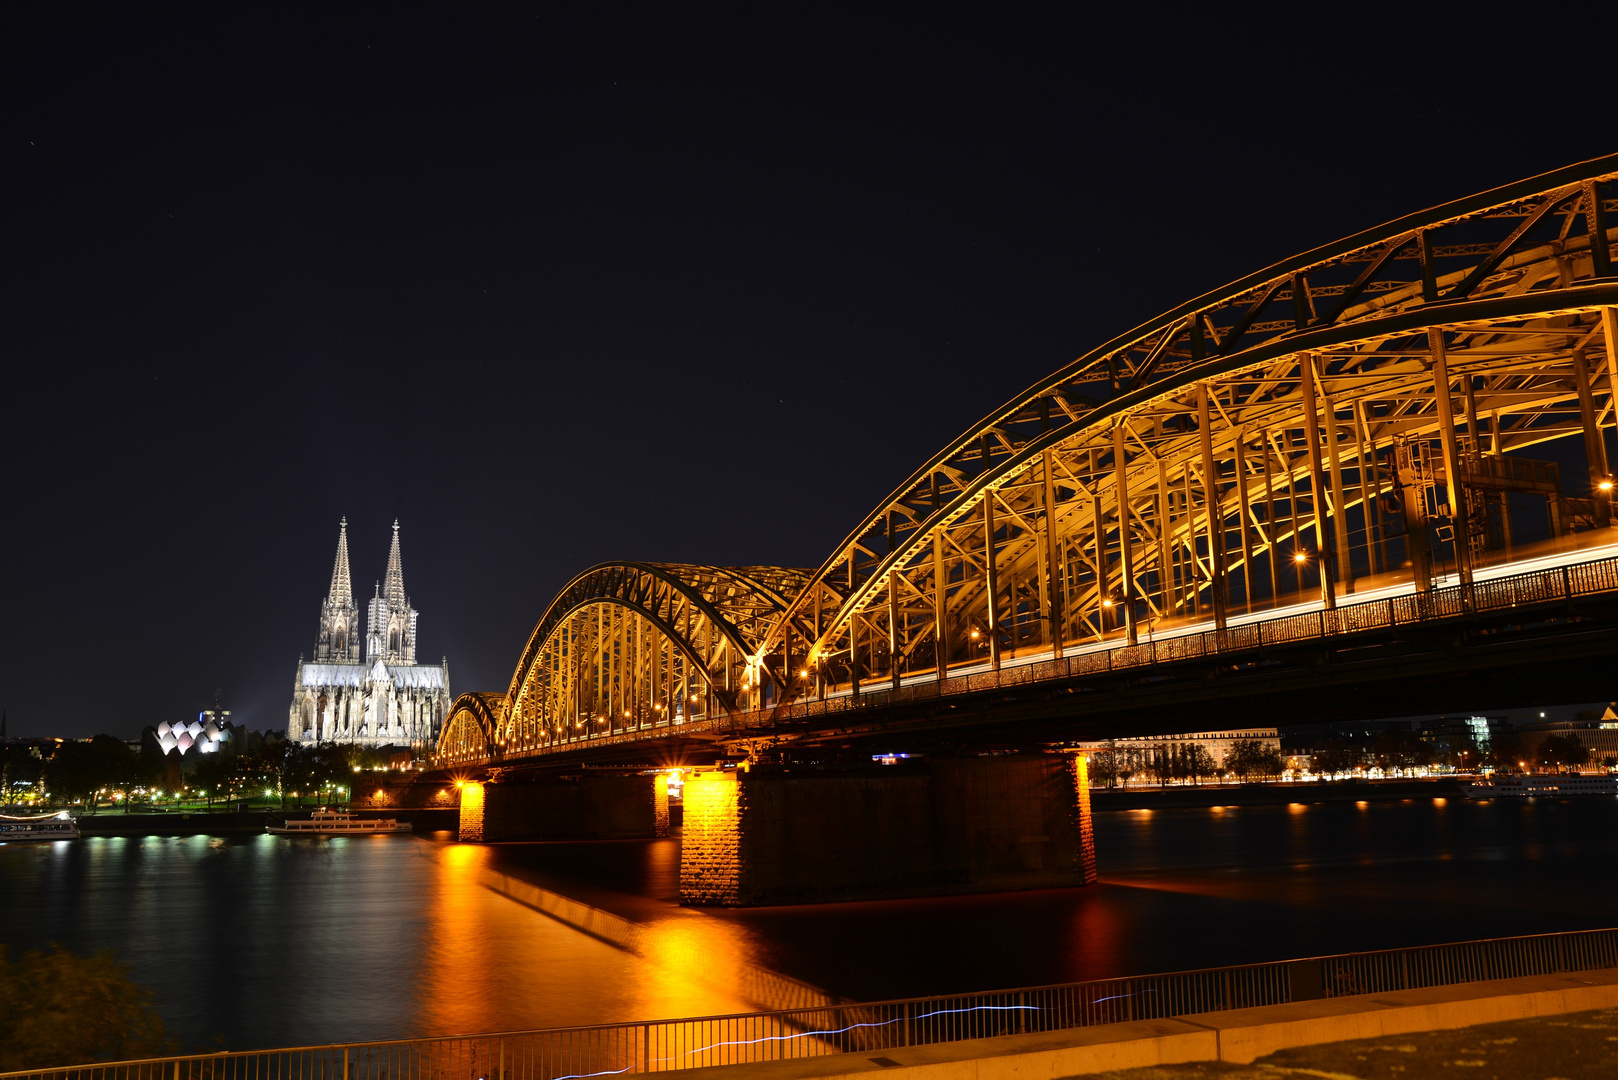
[1376,414]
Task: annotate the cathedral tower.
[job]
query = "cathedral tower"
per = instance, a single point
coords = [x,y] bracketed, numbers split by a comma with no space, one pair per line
[389,699]
[339,639]
[391,621]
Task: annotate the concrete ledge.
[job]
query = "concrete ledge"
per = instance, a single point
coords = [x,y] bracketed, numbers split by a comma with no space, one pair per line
[1248,1034]
[1239,1036]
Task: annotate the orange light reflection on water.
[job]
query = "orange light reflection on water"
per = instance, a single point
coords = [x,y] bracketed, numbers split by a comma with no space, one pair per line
[492,964]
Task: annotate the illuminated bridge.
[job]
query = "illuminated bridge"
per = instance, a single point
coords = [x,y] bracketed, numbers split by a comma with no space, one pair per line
[1377,467]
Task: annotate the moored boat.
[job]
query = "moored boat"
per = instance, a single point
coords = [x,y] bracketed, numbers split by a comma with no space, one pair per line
[337,823]
[59,826]
[1559,785]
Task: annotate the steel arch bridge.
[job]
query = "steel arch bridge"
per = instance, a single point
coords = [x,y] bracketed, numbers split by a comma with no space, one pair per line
[1364,420]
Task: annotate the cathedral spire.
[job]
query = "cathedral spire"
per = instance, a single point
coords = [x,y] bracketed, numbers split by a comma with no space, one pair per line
[338,642]
[396,589]
[342,588]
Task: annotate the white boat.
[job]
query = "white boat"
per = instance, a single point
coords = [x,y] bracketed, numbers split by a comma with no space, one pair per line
[1567,784]
[50,827]
[337,823]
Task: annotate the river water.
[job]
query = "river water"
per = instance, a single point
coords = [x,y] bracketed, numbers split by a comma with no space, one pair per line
[267,941]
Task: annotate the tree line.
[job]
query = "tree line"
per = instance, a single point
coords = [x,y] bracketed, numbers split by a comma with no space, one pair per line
[83,772]
[1247,759]
[1396,752]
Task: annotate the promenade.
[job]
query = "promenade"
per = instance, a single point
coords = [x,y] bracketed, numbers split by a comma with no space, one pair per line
[1142,1049]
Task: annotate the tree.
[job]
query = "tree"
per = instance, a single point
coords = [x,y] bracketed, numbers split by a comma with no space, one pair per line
[1564,750]
[211,777]
[18,765]
[1199,763]
[1506,751]
[251,773]
[57,1008]
[1130,764]
[1161,764]
[1336,757]
[1248,758]
[74,775]
[1104,767]
[1462,753]
[1400,751]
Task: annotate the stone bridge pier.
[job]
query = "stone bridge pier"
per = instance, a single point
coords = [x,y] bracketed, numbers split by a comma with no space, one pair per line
[797,834]
[805,834]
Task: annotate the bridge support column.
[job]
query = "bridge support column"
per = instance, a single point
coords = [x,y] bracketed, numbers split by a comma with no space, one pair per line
[809,834]
[471,825]
[1083,822]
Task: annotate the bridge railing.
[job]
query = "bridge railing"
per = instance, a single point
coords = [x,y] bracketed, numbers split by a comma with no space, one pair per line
[1535,587]
[666,1045]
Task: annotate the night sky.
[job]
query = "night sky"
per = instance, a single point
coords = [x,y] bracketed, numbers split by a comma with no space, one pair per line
[666,285]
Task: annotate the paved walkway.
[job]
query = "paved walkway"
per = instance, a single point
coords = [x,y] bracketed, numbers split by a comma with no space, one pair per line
[1574,1046]
[1244,1037]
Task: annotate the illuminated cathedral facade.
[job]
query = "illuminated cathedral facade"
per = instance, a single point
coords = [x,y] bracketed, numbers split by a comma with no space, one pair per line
[386,699]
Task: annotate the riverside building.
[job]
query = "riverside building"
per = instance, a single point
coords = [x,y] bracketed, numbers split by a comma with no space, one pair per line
[386,699]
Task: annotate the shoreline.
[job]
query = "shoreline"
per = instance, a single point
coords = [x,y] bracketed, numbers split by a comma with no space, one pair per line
[238,823]
[1277,794]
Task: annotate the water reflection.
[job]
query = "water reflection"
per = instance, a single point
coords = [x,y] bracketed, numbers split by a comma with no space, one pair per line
[271,941]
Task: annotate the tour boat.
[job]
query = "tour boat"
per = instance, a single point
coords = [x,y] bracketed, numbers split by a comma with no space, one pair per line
[337,823]
[1569,784]
[51,827]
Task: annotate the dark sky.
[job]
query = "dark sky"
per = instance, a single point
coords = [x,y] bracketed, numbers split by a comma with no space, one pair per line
[663,285]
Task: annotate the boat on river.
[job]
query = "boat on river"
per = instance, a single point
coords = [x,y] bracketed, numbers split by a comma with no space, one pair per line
[337,823]
[1566,784]
[38,827]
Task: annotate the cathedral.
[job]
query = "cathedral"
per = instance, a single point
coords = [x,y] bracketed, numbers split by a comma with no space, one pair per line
[386,700]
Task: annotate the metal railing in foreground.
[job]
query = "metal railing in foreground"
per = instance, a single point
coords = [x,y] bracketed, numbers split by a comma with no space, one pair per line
[872,1027]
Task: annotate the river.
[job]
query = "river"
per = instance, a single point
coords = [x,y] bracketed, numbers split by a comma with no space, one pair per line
[266,941]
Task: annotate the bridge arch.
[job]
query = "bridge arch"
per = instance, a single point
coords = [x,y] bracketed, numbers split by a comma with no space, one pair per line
[1360,417]
[471,729]
[1286,426]
[627,648]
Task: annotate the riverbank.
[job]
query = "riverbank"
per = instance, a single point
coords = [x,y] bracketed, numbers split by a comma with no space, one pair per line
[1192,797]
[225,822]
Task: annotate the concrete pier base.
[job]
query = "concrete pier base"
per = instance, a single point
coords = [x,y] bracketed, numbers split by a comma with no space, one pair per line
[806,834]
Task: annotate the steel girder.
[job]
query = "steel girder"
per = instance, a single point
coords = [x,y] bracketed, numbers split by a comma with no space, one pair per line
[627,647]
[471,728]
[1204,407]
[1386,382]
